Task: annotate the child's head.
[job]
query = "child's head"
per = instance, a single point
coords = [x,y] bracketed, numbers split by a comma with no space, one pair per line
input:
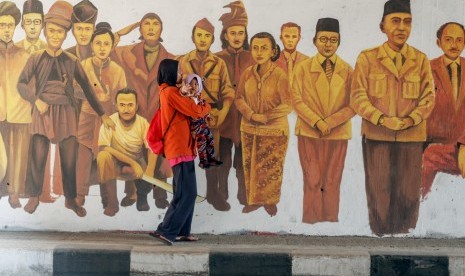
[195,83]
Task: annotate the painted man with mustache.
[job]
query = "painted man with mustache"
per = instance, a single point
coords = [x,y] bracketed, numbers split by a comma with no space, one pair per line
[140,62]
[445,124]
[218,92]
[393,91]
[236,54]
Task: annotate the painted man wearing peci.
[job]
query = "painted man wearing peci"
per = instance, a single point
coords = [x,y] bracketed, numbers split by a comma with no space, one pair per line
[393,91]
[321,99]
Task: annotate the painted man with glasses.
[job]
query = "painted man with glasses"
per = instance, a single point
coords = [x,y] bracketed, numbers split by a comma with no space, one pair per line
[32,24]
[321,98]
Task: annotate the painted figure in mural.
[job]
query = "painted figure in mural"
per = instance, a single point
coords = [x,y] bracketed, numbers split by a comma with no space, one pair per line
[180,151]
[54,114]
[83,18]
[199,128]
[32,24]
[218,92]
[321,99]
[3,159]
[236,54]
[393,91]
[15,112]
[445,124]
[264,100]
[107,77]
[290,57]
[122,151]
[140,62]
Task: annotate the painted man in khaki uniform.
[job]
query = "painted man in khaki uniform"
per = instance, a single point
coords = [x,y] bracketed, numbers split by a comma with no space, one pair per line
[321,99]
[218,92]
[393,91]
[237,56]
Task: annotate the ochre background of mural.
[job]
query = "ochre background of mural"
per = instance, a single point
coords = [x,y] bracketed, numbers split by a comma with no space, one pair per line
[440,214]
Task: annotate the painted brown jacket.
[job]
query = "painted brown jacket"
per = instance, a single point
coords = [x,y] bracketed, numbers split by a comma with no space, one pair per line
[314,99]
[139,78]
[447,121]
[378,89]
[236,62]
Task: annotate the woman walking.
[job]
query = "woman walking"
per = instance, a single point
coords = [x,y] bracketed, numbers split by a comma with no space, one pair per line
[179,149]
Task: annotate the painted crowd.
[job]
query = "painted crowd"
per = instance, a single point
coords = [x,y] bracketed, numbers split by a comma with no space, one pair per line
[95,100]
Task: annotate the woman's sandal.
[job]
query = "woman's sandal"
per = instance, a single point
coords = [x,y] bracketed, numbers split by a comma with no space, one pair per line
[187,238]
[161,238]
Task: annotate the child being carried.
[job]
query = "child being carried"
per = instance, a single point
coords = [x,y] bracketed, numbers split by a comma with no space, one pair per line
[199,128]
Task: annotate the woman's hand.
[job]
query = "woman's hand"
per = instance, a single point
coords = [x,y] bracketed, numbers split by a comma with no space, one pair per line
[259,118]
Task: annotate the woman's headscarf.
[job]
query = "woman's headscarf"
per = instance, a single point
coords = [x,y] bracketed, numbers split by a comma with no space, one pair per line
[168,72]
[190,77]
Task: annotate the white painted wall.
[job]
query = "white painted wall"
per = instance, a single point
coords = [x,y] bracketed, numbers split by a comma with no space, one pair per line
[441,215]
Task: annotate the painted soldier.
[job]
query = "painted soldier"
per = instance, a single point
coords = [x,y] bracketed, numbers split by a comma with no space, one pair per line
[15,112]
[47,82]
[290,57]
[393,91]
[219,93]
[321,98]
[445,124]
[140,62]
[236,54]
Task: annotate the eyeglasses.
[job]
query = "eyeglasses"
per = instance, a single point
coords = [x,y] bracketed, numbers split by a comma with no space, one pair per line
[7,25]
[324,39]
[35,21]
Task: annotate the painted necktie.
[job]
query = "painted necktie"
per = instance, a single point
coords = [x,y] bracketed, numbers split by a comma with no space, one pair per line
[290,69]
[329,69]
[454,80]
[398,61]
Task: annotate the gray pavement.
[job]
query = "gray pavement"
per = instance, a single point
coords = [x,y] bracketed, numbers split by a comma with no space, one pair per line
[48,253]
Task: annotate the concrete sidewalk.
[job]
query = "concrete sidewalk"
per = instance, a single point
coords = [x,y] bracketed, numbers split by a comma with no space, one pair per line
[123,253]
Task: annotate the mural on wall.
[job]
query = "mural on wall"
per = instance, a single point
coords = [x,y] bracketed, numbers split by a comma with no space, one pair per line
[264,101]
[69,98]
[394,124]
[321,98]
[444,126]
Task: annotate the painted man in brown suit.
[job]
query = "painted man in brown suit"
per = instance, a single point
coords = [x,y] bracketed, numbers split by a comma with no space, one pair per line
[140,62]
[236,54]
[393,91]
[54,114]
[446,122]
[15,112]
[321,98]
[219,93]
[290,57]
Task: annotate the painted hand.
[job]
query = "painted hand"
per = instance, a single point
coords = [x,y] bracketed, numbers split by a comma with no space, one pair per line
[323,127]
[462,160]
[41,106]
[259,118]
[107,122]
[138,171]
[393,123]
